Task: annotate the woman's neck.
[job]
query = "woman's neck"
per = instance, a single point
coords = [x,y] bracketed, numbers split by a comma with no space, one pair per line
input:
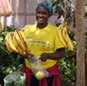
[42,26]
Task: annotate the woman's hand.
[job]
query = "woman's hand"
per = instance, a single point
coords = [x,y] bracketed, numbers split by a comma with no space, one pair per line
[54,56]
[44,56]
[27,55]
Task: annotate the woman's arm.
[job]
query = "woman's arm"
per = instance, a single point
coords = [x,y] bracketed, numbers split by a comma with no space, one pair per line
[55,56]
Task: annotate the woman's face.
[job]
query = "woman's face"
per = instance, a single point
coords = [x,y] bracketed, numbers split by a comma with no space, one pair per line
[42,15]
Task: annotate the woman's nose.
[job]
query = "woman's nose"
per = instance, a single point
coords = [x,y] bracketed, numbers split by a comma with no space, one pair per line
[39,14]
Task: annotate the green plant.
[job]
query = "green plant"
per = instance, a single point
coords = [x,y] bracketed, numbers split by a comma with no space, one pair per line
[68,68]
[9,62]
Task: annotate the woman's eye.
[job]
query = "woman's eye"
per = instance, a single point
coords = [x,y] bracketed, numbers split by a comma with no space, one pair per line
[42,12]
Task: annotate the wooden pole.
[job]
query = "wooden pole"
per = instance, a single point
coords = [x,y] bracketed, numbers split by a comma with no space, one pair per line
[80,57]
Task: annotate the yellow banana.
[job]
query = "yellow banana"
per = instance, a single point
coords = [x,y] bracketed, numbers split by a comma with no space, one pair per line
[9,42]
[60,36]
[17,43]
[7,45]
[23,43]
[67,39]
[22,48]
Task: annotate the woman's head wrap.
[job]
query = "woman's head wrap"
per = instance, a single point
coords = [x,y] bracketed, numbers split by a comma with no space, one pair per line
[47,5]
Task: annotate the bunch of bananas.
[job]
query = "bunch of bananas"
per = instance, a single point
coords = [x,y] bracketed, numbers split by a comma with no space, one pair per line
[64,37]
[15,42]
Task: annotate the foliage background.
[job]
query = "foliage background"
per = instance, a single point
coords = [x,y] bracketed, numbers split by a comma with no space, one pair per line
[10,62]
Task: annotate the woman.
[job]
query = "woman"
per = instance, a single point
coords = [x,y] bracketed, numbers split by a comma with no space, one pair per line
[43,43]
[60,16]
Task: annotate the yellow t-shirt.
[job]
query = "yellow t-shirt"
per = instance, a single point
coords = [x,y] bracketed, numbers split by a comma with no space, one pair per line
[42,40]
[39,41]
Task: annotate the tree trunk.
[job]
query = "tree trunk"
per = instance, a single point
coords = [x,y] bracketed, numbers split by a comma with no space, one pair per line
[80,58]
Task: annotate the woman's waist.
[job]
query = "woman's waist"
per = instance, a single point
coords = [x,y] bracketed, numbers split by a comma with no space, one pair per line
[46,64]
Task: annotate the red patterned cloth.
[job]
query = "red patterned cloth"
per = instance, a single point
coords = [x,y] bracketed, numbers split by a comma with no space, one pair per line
[53,71]
[5,8]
